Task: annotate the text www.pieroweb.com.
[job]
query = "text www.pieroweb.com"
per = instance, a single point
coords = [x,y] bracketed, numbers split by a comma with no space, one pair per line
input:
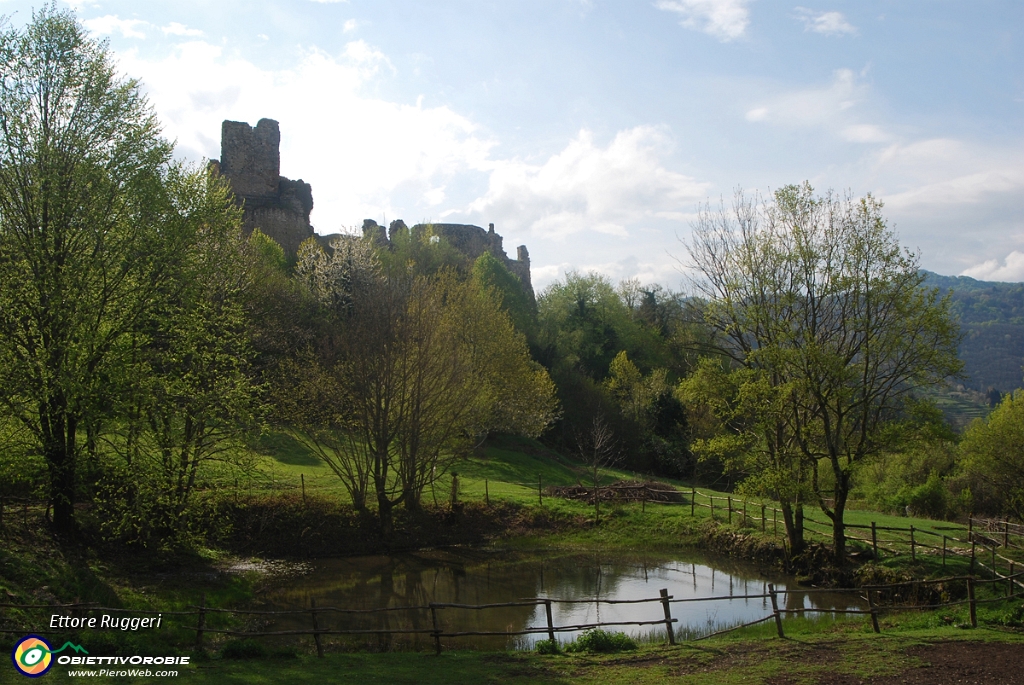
[122,673]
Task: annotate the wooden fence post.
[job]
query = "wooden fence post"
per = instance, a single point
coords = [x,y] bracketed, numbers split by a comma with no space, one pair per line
[995,574]
[1009,582]
[437,631]
[302,477]
[540,489]
[775,522]
[693,499]
[775,609]
[973,603]
[487,494]
[943,552]
[316,629]
[913,556]
[711,498]
[729,500]
[874,611]
[762,518]
[668,616]
[973,545]
[970,527]
[1006,533]
[744,521]
[874,539]
[551,623]
[201,623]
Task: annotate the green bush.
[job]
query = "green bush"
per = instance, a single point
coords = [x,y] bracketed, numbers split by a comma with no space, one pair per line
[597,640]
[547,647]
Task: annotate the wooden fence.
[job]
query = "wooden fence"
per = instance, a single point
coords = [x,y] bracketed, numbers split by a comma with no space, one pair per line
[874,596]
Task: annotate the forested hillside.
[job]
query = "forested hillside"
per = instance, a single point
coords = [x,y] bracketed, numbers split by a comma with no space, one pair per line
[992,319]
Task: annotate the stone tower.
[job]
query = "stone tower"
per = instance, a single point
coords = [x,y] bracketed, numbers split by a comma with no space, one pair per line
[250,158]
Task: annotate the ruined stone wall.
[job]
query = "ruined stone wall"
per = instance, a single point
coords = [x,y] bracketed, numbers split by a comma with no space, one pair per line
[251,161]
[250,158]
[470,240]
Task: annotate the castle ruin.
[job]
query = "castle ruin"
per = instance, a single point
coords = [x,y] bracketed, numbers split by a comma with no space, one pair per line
[472,241]
[250,158]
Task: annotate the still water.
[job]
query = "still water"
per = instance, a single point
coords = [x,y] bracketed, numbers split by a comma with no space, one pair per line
[477,576]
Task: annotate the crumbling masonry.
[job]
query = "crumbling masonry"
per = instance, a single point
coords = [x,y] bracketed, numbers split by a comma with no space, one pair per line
[250,158]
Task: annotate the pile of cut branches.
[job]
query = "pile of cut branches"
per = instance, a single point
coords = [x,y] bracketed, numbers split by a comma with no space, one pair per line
[620,491]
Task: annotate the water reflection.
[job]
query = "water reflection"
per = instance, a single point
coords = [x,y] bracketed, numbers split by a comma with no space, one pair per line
[475,576]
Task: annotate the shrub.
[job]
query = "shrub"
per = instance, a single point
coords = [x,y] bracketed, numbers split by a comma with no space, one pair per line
[597,640]
[547,647]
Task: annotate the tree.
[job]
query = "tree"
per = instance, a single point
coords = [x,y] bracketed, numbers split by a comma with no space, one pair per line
[490,274]
[198,397]
[81,199]
[992,454]
[597,449]
[817,294]
[416,367]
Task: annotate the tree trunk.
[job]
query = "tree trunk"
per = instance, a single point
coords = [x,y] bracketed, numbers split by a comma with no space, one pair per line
[59,449]
[839,527]
[385,515]
[793,516]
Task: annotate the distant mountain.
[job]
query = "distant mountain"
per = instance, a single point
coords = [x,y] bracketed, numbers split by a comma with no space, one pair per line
[992,320]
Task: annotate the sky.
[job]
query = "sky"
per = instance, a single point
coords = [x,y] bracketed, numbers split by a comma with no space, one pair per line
[593,131]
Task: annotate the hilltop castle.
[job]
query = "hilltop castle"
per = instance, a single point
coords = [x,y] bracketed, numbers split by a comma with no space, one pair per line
[250,158]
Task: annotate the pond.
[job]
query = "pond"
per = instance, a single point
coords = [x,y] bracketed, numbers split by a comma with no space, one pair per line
[487,576]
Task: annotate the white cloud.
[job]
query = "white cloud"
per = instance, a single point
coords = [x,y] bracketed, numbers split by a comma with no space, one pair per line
[724,19]
[942,171]
[367,157]
[812,106]
[106,26]
[1012,269]
[665,271]
[834,107]
[368,59]
[434,196]
[176,29]
[586,187]
[827,23]
[957,201]
[361,154]
[864,133]
[350,26]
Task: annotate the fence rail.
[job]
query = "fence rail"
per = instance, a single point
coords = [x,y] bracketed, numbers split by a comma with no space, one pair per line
[868,593]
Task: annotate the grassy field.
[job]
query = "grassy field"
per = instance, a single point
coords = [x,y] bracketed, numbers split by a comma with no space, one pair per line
[513,469]
[508,470]
[811,652]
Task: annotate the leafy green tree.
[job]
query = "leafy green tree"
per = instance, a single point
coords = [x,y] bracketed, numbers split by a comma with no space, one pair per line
[81,202]
[818,296]
[992,455]
[200,400]
[490,274]
[739,425]
[416,368]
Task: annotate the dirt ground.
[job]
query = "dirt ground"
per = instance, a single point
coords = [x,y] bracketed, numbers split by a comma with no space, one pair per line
[959,663]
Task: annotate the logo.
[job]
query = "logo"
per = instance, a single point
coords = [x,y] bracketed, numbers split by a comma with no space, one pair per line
[32,655]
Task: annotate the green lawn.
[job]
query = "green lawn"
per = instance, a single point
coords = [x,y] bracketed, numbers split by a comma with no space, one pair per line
[842,649]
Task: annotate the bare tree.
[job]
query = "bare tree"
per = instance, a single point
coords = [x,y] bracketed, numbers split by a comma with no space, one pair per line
[597,449]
